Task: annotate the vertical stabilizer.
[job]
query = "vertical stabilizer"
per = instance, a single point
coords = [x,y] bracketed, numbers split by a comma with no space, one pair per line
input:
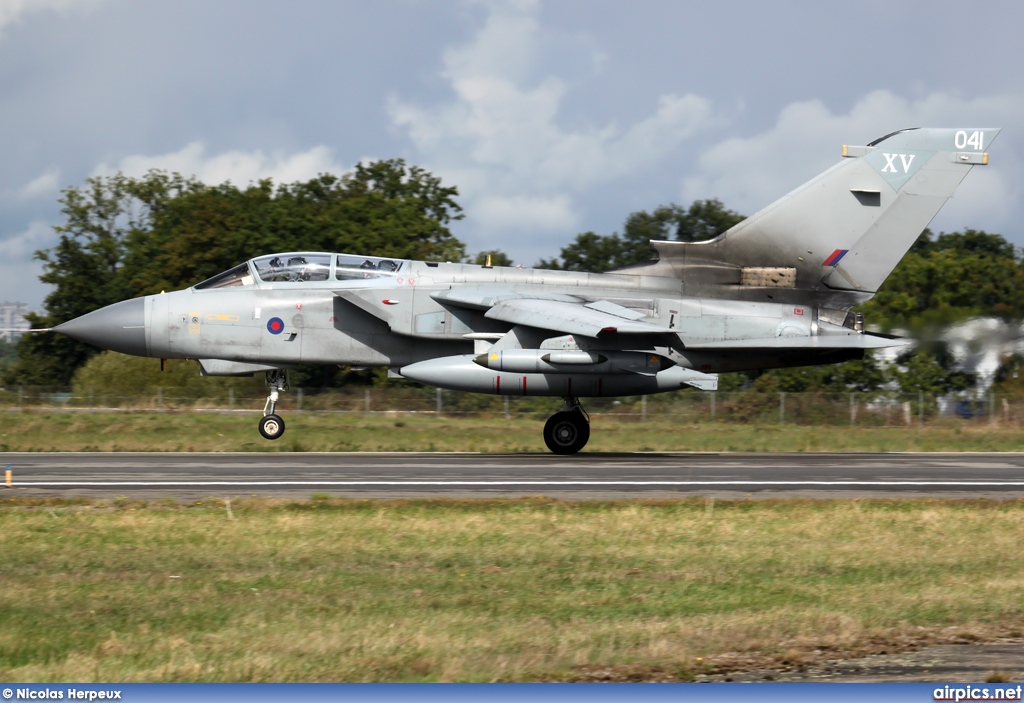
[847,228]
[920,169]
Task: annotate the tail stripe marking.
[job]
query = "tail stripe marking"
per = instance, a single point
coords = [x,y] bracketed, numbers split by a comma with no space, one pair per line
[835,257]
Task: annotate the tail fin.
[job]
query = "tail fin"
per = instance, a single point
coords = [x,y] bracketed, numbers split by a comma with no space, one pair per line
[848,228]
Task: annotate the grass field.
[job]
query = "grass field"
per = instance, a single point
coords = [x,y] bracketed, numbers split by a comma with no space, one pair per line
[66,431]
[339,590]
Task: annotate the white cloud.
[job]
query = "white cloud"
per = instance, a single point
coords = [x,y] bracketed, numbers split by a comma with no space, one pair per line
[19,273]
[748,173]
[45,184]
[535,212]
[12,11]
[501,139]
[239,167]
[20,247]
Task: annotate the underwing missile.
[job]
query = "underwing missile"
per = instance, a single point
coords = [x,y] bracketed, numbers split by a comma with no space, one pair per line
[572,361]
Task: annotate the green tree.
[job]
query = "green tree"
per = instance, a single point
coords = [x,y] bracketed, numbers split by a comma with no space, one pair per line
[110,378]
[125,237]
[1009,377]
[641,227]
[8,355]
[384,208]
[588,252]
[85,268]
[951,278]
[862,375]
[932,372]
[704,219]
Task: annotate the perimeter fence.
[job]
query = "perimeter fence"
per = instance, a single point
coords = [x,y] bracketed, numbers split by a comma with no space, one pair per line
[858,409]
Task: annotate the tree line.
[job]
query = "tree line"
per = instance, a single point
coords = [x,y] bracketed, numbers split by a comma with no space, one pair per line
[123,237]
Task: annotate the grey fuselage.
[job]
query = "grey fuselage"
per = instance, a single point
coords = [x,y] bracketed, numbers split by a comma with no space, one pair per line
[397,320]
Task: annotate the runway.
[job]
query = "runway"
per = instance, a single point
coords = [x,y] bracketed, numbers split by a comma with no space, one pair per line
[595,476]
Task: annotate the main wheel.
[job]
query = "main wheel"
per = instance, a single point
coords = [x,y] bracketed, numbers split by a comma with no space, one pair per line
[566,432]
[271,426]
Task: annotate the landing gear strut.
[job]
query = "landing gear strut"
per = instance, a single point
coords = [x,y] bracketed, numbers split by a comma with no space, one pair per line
[568,431]
[271,424]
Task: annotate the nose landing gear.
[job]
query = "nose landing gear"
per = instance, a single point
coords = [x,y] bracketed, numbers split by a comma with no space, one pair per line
[271,424]
[568,431]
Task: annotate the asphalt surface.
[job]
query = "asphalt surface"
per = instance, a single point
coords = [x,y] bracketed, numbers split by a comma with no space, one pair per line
[945,662]
[589,475]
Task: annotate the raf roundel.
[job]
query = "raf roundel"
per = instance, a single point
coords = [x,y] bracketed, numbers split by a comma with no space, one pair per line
[275,325]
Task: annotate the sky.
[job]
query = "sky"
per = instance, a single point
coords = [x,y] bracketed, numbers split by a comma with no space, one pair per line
[551,118]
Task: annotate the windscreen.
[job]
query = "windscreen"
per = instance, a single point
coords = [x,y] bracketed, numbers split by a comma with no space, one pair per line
[238,276]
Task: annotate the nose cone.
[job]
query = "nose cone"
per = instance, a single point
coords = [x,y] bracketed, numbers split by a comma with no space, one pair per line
[120,327]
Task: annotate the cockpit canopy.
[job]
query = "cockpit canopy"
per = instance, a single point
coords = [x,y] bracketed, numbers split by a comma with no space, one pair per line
[298,267]
[349,267]
[278,268]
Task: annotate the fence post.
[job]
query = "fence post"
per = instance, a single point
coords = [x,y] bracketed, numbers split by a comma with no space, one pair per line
[439,405]
[713,394]
[853,411]
[643,408]
[366,401]
[782,407]
[507,415]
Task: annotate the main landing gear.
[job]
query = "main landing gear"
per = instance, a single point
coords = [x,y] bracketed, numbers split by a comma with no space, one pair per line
[568,431]
[271,424]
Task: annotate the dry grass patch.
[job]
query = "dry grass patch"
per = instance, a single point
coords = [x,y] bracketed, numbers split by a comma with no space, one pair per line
[338,590]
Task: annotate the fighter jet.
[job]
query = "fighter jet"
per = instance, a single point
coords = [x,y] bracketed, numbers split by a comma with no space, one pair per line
[776,290]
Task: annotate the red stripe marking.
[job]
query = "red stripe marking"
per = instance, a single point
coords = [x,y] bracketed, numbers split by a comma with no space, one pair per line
[834,257]
[498,385]
[524,385]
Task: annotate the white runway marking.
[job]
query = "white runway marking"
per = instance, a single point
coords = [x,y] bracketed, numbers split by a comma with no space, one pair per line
[413,482]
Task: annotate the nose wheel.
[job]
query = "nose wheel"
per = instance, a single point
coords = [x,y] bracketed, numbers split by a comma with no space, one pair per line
[271,424]
[567,432]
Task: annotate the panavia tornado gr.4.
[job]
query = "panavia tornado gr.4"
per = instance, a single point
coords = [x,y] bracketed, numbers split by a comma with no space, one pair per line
[774,291]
